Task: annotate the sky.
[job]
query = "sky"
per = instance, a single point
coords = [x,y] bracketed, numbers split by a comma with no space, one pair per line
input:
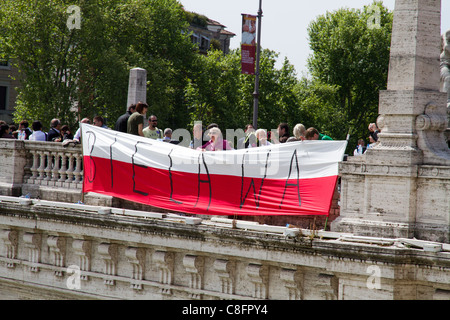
[285,22]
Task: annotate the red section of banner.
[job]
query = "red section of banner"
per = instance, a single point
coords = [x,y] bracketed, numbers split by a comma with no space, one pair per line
[208,194]
[248,56]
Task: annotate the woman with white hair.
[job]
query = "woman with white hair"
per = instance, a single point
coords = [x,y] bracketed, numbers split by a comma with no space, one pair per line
[216,142]
[299,133]
[261,136]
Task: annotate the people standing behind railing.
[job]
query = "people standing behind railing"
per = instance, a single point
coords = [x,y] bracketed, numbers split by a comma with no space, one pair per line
[38,134]
[77,136]
[261,136]
[313,134]
[374,131]
[360,148]
[135,124]
[122,121]
[66,133]
[217,143]
[23,133]
[283,132]
[152,131]
[197,133]
[299,133]
[54,134]
[99,122]
[4,132]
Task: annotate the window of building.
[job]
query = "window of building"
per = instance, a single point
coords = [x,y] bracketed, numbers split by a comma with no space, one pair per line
[3,97]
[4,64]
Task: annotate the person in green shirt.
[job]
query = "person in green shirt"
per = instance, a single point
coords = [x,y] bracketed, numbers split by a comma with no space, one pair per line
[152,131]
[313,134]
[135,124]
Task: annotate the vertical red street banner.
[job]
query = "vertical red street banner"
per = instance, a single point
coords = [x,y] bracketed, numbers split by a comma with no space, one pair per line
[248,45]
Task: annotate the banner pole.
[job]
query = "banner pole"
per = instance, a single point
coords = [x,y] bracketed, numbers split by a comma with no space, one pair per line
[82,182]
[258,55]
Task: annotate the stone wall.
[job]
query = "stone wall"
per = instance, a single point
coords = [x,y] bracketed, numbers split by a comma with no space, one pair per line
[51,250]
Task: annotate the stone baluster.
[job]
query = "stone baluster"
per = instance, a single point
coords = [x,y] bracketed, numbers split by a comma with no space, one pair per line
[78,169]
[226,270]
[70,170]
[10,241]
[34,167]
[57,247]
[110,256]
[259,276]
[56,168]
[194,267]
[164,261]
[136,257]
[41,169]
[48,167]
[62,170]
[33,243]
[83,249]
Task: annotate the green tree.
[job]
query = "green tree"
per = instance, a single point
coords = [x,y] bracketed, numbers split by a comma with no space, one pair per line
[220,93]
[351,53]
[68,73]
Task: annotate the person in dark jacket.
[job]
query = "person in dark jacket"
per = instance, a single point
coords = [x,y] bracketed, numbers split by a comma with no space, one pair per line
[54,134]
[121,124]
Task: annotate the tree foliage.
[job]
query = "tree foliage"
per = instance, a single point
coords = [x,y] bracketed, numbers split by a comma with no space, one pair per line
[70,71]
[221,94]
[351,53]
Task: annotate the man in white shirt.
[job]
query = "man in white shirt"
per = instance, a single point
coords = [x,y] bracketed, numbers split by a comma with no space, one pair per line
[38,134]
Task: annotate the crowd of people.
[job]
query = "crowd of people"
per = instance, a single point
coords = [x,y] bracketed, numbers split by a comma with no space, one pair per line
[208,138]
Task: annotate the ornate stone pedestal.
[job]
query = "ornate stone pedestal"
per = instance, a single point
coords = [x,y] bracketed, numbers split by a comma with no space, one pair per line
[401,188]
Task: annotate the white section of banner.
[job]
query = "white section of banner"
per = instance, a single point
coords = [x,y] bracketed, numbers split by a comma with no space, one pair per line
[315,159]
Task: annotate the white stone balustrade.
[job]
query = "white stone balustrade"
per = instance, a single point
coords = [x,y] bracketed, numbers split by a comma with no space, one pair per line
[130,255]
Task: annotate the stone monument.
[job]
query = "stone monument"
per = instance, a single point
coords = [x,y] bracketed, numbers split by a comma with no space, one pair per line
[401,188]
[137,87]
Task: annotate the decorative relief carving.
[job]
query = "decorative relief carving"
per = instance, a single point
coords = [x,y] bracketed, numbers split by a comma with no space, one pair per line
[10,241]
[136,257]
[226,270]
[165,263]
[33,243]
[83,249]
[194,267]
[293,284]
[259,276]
[57,246]
[109,254]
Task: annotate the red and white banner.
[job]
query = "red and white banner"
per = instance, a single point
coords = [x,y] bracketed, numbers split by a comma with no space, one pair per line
[284,179]
[248,45]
